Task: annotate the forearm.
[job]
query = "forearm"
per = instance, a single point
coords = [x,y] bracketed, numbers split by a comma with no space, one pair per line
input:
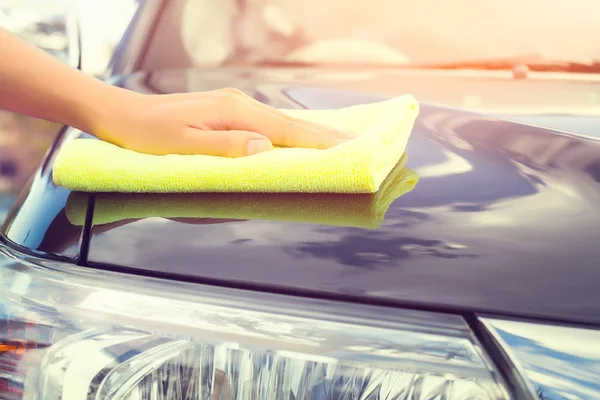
[35,84]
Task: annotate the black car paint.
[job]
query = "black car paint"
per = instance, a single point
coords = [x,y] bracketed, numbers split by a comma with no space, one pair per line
[37,222]
[505,218]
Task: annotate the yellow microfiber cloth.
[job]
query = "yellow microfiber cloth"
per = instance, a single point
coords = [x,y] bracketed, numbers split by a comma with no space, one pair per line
[354,210]
[358,166]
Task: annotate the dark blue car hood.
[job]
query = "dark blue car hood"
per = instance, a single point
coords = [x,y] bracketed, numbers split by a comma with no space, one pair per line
[505,217]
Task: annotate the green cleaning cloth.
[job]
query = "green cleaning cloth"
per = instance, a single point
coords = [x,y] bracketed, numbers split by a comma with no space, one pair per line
[355,210]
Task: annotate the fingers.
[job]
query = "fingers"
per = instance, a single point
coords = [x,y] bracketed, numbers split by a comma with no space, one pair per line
[347,135]
[223,123]
[286,131]
[233,143]
[251,115]
[341,134]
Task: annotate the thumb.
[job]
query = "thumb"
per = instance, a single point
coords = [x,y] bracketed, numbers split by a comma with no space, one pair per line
[219,143]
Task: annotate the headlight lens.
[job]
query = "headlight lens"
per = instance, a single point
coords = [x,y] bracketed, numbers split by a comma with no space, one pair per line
[76,333]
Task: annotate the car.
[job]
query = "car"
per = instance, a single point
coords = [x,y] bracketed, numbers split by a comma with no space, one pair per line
[479,280]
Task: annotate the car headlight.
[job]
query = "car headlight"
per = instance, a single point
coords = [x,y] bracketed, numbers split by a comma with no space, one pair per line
[76,333]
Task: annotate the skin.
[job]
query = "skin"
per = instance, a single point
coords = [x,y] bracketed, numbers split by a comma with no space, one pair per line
[224,122]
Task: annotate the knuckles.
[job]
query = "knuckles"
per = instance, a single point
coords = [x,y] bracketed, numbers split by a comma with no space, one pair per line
[232,95]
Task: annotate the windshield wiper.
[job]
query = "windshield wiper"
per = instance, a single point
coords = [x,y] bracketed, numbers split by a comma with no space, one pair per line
[520,63]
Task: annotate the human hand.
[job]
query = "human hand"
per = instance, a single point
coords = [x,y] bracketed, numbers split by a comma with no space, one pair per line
[223,122]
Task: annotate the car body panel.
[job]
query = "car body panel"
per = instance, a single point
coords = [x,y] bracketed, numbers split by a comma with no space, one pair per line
[504,219]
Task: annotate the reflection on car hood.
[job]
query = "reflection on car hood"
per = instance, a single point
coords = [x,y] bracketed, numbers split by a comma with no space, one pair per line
[504,217]
[553,100]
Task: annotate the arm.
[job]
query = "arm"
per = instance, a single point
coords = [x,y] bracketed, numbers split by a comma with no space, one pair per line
[223,122]
[35,84]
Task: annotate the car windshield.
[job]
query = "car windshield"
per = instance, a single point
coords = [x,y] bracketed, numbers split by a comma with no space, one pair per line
[374,32]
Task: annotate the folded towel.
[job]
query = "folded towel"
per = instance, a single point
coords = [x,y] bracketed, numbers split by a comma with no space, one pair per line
[354,210]
[358,166]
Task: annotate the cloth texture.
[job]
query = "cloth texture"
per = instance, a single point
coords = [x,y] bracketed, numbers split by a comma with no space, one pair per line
[351,210]
[358,166]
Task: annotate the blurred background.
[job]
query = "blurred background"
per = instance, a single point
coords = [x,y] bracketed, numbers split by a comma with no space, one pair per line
[53,25]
